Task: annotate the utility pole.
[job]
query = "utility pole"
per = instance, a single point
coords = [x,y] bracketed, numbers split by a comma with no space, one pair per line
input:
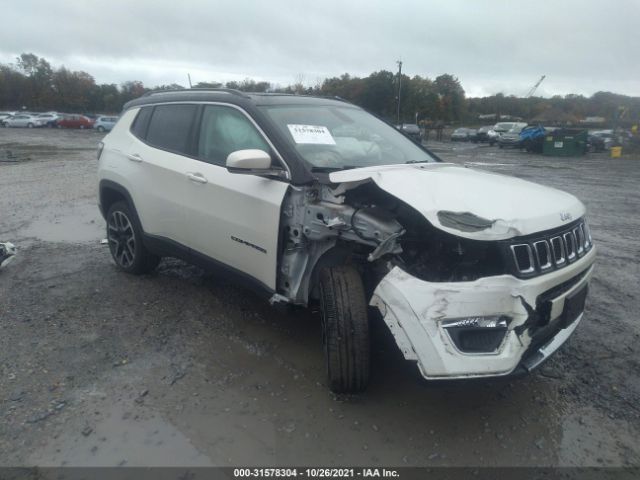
[189,77]
[399,88]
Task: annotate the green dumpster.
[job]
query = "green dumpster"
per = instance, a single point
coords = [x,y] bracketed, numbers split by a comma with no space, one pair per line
[565,143]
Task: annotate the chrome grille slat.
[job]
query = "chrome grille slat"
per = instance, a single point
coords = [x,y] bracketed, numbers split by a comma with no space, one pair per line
[538,247]
[548,252]
[557,246]
[570,246]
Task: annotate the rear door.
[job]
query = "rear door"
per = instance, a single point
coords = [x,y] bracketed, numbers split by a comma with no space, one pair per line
[156,164]
[233,218]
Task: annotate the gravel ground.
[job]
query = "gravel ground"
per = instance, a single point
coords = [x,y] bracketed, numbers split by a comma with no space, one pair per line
[180,368]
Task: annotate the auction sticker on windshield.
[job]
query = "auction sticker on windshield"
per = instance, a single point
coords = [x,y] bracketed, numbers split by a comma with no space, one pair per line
[315,134]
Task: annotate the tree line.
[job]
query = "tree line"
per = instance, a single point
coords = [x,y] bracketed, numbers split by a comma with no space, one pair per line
[33,83]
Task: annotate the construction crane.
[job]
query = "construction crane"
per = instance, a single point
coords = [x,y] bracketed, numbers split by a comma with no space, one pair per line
[535,87]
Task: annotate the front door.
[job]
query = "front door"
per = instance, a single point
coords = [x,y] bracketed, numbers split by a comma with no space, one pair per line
[233,218]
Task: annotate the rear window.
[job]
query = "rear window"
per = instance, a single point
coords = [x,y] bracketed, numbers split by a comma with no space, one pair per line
[169,127]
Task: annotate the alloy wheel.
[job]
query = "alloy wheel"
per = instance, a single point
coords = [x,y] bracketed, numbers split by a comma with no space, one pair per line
[121,238]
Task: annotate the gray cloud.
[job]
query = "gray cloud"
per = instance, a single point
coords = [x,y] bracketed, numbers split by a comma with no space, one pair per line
[492,46]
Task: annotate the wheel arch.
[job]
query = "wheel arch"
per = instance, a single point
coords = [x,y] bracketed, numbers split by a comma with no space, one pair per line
[111,192]
[339,254]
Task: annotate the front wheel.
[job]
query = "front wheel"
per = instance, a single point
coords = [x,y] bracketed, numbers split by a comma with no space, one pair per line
[30,125]
[345,329]
[100,129]
[124,236]
[81,127]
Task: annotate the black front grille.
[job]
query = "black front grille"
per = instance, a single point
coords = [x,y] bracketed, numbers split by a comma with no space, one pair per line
[538,254]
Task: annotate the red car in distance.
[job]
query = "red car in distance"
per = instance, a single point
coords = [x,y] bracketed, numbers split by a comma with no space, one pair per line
[74,121]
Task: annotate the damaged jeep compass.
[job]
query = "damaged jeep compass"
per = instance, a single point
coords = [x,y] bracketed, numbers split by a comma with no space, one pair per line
[315,201]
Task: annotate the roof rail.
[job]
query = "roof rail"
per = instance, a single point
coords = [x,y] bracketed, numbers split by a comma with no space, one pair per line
[232,91]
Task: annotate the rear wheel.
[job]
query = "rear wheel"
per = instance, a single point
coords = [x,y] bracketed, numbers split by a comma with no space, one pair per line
[81,127]
[100,129]
[124,236]
[30,125]
[345,329]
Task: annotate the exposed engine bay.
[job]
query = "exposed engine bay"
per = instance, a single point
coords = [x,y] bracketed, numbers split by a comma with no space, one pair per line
[362,224]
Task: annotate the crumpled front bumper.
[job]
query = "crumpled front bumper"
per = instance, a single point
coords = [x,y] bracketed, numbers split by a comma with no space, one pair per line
[416,311]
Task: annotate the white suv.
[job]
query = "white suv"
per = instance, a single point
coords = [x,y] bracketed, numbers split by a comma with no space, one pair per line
[313,200]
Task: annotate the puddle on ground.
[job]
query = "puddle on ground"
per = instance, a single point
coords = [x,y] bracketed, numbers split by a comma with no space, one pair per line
[122,439]
[77,225]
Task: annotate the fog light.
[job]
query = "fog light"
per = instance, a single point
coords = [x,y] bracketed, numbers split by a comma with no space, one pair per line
[480,334]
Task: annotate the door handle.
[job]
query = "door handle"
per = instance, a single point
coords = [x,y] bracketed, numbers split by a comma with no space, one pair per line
[134,157]
[196,177]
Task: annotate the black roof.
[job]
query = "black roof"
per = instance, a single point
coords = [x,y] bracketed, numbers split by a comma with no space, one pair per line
[228,95]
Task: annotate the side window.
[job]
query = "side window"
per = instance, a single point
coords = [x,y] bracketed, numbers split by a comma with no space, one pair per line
[224,130]
[139,127]
[169,127]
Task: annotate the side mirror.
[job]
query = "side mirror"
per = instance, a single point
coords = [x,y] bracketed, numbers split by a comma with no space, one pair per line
[253,162]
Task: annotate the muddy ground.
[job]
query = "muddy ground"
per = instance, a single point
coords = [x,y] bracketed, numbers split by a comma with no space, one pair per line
[181,368]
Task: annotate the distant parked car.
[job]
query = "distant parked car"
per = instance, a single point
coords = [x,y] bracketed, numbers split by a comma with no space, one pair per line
[501,128]
[412,131]
[512,137]
[50,118]
[4,115]
[462,134]
[532,138]
[105,124]
[22,120]
[483,134]
[606,136]
[595,143]
[74,121]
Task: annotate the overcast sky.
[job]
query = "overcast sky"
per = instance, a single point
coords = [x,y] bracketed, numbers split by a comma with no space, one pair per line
[582,46]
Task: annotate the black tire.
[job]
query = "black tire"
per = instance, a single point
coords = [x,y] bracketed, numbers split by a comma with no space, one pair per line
[100,128]
[345,329]
[30,125]
[81,127]
[124,235]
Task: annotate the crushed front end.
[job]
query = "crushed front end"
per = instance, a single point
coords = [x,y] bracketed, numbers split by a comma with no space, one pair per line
[469,284]
[512,314]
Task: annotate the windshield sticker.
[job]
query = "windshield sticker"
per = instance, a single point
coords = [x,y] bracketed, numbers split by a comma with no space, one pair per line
[315,134]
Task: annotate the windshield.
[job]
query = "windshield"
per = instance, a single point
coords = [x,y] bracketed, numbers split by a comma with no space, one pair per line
[337,137]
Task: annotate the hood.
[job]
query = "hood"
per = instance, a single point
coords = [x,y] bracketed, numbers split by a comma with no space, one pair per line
[470,203]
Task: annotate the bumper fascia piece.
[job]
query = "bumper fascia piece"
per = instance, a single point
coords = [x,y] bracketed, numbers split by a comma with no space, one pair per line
[415,311]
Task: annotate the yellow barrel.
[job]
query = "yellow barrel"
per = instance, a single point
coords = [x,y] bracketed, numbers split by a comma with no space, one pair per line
[616,152]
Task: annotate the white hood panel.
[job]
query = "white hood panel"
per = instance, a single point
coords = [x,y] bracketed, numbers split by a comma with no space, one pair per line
[489,206]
